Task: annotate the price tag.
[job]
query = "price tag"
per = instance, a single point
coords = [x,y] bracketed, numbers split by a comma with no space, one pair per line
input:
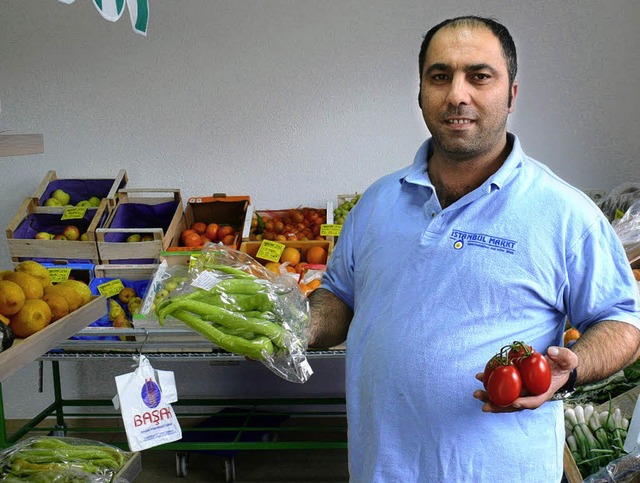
[330,230]
[270,250]
[111,288]
[74,213]
[59,274]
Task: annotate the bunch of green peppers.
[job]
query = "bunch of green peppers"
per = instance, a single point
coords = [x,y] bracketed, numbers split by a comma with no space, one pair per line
[238,314]
[52,459]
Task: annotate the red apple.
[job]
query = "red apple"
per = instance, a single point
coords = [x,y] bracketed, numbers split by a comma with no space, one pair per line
[71,232]
[59,236]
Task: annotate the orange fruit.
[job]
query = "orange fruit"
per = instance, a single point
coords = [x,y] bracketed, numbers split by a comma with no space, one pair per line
[185,233]
[273,267]
[317,255]
[291,255]
[228,240]
[192,240]
[314,284]
[211,232]
[225,230]
[571,334]
[199,227]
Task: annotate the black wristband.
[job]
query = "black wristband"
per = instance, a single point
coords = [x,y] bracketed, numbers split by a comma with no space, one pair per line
[569,386]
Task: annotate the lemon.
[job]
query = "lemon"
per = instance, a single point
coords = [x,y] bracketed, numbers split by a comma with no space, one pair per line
[11,297]
[58,305]
[34,316]
[80,287]
[74,299]
[36,269]
[29,284]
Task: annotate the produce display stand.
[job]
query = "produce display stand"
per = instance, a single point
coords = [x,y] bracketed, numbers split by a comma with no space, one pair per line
[281,423]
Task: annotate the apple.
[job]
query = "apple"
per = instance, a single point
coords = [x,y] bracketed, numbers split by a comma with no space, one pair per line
[53,202]
[94,200]
[134,238]
[71,232]
[62,196]
[43,235]
[84,237]
[84,204]
[59,236]
[170,286]
[146,237]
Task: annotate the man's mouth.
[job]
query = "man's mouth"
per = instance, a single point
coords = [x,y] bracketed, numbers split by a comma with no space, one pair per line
[459,121]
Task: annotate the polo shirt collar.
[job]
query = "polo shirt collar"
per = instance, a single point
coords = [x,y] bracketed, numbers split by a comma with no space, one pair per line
[417,172]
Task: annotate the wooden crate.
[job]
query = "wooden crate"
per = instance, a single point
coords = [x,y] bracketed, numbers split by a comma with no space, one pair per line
[155,212]
[219,208]
[251,247]
[24,351]
[128,272]
[81,188]
[32,218]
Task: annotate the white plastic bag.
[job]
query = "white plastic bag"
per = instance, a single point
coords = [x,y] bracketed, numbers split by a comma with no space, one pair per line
[144,399]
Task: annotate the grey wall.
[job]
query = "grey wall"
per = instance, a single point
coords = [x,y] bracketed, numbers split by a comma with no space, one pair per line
[292,102]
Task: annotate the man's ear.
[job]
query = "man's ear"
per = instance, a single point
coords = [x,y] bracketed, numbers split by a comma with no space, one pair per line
[512,97]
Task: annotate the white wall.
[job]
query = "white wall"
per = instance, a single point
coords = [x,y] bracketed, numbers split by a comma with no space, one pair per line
[290,101]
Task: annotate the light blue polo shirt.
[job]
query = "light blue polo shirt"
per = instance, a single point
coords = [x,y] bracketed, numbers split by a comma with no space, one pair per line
[436,292]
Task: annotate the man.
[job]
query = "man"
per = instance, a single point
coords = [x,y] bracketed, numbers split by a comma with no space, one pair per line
[439,265]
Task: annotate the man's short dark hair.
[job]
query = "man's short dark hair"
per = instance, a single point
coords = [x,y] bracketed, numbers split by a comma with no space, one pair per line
[499,30]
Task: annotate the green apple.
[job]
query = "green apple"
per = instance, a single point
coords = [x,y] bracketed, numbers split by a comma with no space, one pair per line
[170,286]
[43,235]
[59,236]
[134,238]
[147,237]
[62,196]
[94,200]
[84,237]
[53,202]
[71,232]
[84,204]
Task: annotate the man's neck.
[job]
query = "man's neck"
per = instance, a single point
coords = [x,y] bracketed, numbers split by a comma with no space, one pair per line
[453,178]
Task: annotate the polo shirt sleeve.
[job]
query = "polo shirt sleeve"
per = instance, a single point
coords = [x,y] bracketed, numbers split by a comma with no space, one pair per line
[339,276]
[601,284]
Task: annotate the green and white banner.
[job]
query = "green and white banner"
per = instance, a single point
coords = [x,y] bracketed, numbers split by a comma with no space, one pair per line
[112,11]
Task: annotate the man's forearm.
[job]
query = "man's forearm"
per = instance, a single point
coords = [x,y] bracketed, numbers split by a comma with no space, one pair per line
[330,319]
[604,349]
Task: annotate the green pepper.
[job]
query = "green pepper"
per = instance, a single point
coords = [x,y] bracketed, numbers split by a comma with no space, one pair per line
[238,302]
[256,348]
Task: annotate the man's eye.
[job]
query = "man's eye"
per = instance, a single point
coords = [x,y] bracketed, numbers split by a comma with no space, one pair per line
[482,76]
[439,77]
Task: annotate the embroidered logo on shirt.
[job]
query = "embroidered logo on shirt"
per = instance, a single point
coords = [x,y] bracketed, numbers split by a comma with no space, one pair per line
[463,238]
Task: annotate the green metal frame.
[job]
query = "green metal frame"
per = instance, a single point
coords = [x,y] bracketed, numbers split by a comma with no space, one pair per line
[307,436]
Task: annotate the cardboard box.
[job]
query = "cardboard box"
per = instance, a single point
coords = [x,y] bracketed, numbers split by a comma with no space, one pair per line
[155,213]
[24,351]
[32,218]
[81,189]
[290,229]
[221,209]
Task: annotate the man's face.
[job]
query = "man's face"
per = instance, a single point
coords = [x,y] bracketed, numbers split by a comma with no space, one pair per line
[464,93]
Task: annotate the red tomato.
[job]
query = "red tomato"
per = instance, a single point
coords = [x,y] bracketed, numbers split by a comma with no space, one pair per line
[494,362]
[519,349]
[504,385]
[535,373]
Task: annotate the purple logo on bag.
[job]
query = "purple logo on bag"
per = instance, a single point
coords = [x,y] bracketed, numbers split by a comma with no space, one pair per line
[150,393]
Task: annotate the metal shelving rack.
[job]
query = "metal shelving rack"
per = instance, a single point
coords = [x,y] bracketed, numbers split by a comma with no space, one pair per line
[229,424]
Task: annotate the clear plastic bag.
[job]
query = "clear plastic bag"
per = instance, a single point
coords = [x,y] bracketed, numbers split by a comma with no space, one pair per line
[619,199]
[242,307]
[628,227]
[622,470]
[62,459]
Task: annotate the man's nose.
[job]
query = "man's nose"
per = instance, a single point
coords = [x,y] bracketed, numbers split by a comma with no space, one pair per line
[458,91]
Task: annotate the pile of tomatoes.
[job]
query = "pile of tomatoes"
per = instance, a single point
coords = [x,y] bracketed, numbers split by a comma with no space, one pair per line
[517,366]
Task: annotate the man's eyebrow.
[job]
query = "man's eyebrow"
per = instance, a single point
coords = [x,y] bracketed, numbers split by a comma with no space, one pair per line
[441,66]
